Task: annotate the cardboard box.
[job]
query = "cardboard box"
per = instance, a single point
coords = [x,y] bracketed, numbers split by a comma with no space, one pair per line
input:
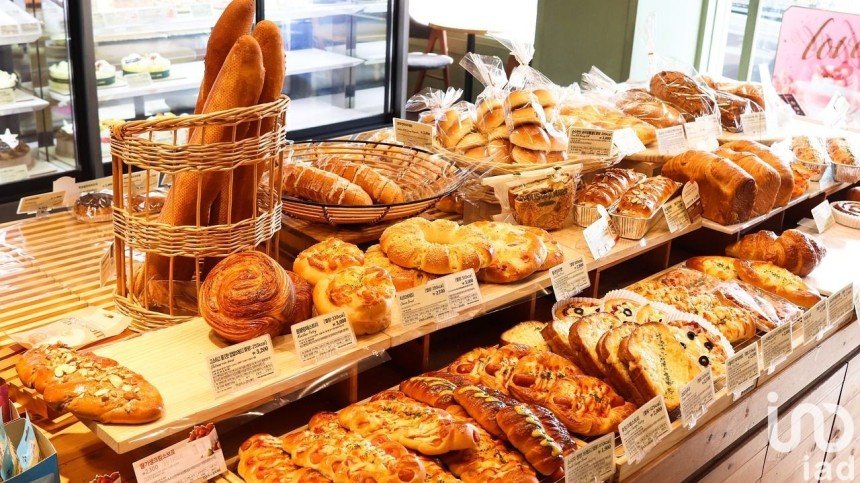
[47,470]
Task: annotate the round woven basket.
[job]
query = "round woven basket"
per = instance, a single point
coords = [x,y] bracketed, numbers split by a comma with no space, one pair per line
[490,167]
[145,146]
[424,177]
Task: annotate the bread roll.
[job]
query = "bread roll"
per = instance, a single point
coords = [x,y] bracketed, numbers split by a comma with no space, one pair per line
[365,293]
[527,156]
[782,167]
[727,191]
[380,188]
[766,178]
[302,181]
[491,114]
[538,138]
[325,258]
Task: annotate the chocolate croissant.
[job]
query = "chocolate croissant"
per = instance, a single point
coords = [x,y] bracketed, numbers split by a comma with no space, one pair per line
[247,295]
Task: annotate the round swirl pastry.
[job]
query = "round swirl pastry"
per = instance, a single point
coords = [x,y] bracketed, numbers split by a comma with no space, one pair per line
[517,252]
[439,247]
[304,303]
[94,207]
[403,278]
[325,258]
[247,295]
[365,293]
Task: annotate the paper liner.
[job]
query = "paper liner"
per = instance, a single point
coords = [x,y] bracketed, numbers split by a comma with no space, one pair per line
[568,301]
[846,173]
[844,219]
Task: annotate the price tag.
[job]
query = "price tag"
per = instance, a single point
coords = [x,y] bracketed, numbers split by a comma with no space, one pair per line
[43,202]
[776,346]
[742,370]
[712,120]
[569,278]
[9,29]
[241,365]
[424,304]
[700,135]
[463,291]
[627,141]
[412,133]
[671,140]
[593,462]
[7,96]
[792,101]
[839,304]
[822,214]
[589,142]
[599,236]
[676,215]
[323,336]
[138,79]
[643,429]
[754,123]
[836,110]
[138,179]
[14,173]
[815,321]
[696,397]
[690,194]
[95,185]
[197,458]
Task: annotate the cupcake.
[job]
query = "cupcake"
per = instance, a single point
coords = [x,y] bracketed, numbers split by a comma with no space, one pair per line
[105,73]
[58,77]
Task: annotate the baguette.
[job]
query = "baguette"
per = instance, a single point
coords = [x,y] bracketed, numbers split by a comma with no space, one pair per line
[380,188]
[238,85]
[322,186]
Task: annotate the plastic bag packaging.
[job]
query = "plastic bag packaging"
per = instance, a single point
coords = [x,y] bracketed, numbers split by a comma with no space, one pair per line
[77,329]
[454,121]
[633,101]
[541,198]
[591,111]
[490,113]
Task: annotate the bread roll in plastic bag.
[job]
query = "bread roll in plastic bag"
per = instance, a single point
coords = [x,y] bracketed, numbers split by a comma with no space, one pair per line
[633,101]
[489,71]
[590,111]
[454,120]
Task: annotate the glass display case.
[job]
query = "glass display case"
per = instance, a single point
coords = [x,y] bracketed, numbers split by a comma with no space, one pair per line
[36,128]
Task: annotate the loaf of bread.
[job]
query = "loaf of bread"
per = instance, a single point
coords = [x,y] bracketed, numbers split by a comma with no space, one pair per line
[646,197]
[308,182]
[727,191]
[684,93]
[767,180]
[584,336]
[731,107]
[782,167]
[607,187]
[793,250]
[617,373]
[641,104]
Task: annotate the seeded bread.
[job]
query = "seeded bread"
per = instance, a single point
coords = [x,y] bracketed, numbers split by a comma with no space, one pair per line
[657,363]
[583,338]
[526,333]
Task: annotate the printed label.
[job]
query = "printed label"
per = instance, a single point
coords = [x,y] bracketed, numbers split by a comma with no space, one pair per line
[593,462]
[696,397]
[836,110]
[463,291]
[815,321]
[671,140]
[776,346]
[241,365]
[323,336]
[690,194]
[599,236]
[412,133]
[792,101]
[428,303]
[198,458]
[822,214]
[839,304]
[589,142]
[42,202]
[700,135]
[754,123]
[77,329]
[569,278]
[14,173]
[643,429]
[676,215]
[742,369]
[627,141]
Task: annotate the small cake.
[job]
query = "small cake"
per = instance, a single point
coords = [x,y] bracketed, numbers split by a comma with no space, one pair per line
[64,140]
[157,66]
[14,152]
[7,80]
[59,75]
[105,73]
[94,207]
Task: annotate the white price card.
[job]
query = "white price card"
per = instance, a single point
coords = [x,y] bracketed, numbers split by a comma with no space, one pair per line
[671,140]
[7,96]
[42,202]
[742,370]
[776,346]
[138,79]
[815,321]
[700,135]
[836,110]
[754,123]
[95,185]
[412,133]
[599,236]
[690,194]
[839,304]
[569,278]
[14,173]
[643,429]
[424,304]
[323,336]
[593,462]
[696,397]
[676,215]
[589,142]
[463,291]
[241,365]
[197,458]
[822,214]
[627,141]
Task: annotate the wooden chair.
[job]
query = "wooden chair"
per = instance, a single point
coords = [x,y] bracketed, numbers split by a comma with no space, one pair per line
[429,60]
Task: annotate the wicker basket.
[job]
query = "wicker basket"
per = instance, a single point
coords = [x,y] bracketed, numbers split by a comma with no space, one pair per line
[424,177]
[136,233]
[489,167]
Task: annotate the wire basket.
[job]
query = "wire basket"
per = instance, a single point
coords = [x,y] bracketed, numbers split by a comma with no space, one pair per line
[160,264]
[424,177]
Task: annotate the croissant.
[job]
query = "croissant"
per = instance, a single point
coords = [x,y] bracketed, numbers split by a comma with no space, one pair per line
[793,250]
[247,295]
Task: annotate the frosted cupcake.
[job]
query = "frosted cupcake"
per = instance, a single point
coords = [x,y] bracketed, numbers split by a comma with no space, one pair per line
[58,77]
[105,73]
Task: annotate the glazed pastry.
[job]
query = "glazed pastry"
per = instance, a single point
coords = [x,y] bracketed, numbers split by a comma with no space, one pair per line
[684,93]
[430,389]
[587,406]
[262,459]
[440,246]
[607,187]
[490,462]
[326,258]
[793,250]
[526,433]
[403,278]
[499,365]
[365,293]
[94,207]
[642,105]
[517,252]
[247,295]
[483,405]
[720,267]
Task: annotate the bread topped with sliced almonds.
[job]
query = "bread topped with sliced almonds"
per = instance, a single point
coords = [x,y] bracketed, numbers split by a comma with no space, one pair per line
[777,280]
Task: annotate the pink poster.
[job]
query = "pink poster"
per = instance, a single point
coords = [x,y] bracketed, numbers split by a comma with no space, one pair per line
[818,55]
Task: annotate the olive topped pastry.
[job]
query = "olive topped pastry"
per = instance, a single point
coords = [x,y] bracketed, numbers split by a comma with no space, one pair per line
[700,345]
[574,308]
[624,309]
